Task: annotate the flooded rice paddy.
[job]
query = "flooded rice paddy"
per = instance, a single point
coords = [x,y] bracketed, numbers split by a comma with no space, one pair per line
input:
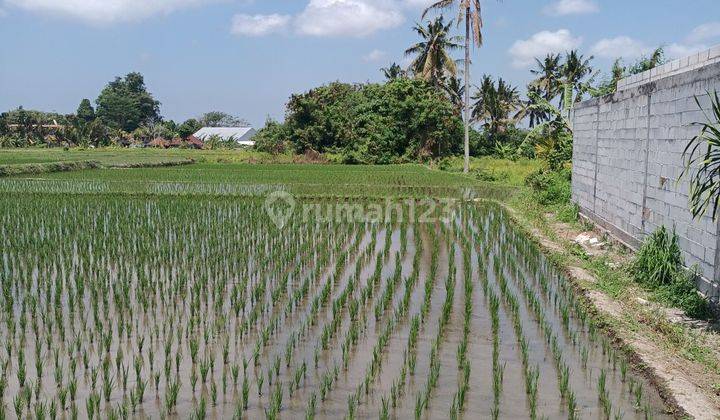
[193,307]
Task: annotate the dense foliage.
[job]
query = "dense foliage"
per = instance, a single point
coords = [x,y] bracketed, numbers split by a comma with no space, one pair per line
[551,187]
[399,121]
[221,119]
[272,138]
[658,265]
[126,104]
[126,113]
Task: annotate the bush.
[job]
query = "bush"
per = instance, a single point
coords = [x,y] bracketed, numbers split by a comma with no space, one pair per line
[568,213]
[682,293]
[402,120]
[482,174]
[272,138]
[658,265]
[506,144]
[552,187]
[560,154]
[658,260]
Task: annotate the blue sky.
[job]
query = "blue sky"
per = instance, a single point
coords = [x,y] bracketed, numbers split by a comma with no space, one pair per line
[246,57]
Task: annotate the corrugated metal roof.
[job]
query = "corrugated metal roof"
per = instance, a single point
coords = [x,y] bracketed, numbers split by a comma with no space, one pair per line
[242,135]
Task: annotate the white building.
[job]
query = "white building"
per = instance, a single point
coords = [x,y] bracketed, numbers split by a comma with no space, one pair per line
[242,135]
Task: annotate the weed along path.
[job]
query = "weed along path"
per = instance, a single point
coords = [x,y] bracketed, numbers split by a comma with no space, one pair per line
[123,304]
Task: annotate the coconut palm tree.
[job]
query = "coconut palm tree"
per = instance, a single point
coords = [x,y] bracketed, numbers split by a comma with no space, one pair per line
[551,133]
[455,91]
[433,61]
[574,73]
[495,106]
[393,72]
[548,76]
[530,109]
[469,11]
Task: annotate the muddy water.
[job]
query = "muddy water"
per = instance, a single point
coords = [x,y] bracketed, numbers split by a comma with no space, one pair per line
[193,264]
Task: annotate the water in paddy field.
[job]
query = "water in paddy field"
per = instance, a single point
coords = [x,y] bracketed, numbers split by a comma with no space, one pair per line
[180,307]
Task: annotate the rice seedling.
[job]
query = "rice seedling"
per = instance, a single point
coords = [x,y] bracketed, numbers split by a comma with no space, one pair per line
[324,310]
[245,392]
[213,393]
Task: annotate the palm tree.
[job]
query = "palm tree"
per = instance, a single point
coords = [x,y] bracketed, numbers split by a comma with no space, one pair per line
[495,105]
[455,91]
[548,76]
[530,109]
[552,132]
[573,72]
[393,72]
[470,11]
[432,55]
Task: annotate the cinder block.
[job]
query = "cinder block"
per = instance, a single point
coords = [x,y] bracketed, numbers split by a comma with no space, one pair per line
[714,52]
[609,154]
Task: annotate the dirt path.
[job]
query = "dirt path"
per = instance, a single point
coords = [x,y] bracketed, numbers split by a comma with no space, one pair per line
[686,385]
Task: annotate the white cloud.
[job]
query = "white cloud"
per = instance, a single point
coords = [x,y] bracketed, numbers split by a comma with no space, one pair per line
[626,47]
[541,44]
[572,7]
[677,50]
[620,46]
[374,56]
[418,4]
[101,12]
[348,17]
[259,25]
[704,32]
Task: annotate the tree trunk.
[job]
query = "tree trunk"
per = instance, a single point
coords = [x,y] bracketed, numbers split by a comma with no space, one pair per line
[466,167]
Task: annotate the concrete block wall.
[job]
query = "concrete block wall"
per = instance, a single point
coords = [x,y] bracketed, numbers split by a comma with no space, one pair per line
[628,156]
[681,65]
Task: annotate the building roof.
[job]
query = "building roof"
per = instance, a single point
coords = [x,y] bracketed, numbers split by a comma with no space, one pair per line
[158,142]
[243,135]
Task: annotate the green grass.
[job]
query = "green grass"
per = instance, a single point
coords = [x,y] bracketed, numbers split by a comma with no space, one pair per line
[333,175]
[116,156]
[503,171]
[257,179]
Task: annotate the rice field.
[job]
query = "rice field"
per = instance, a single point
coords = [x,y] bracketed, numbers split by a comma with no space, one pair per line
[194,303]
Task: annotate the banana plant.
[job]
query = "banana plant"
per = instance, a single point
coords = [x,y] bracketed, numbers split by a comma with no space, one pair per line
[546,136]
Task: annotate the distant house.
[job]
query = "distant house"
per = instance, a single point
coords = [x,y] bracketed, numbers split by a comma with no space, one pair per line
[159,142]
[194,142]
[242,135]
[189,142]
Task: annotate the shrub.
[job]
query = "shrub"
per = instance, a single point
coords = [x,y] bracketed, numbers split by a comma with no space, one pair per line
[272,138]
[658,265]
[482,174]
[399,121]
[658,260]
[552,187]
[568,213]
[682,293]
[482,143]
[560,154]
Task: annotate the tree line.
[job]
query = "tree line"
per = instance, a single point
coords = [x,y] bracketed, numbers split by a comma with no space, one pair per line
[418,113]
[124,112]
[377,122]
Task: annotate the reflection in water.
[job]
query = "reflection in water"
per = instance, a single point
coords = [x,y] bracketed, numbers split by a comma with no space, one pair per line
[200,306]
